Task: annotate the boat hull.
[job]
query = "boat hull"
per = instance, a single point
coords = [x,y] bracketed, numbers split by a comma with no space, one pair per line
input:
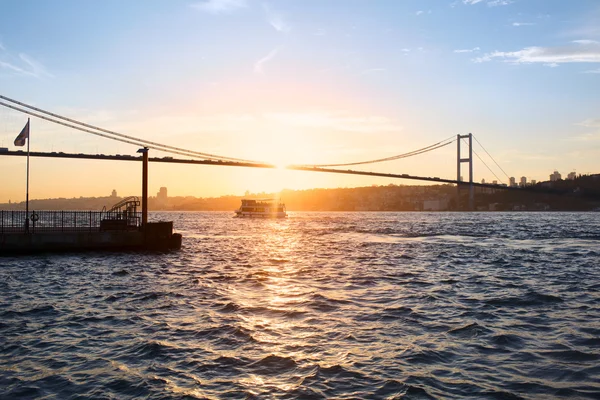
[243,214]
[267,208]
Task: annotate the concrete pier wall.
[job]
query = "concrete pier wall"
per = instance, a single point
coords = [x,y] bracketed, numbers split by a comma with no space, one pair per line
[69,241]
[154,236]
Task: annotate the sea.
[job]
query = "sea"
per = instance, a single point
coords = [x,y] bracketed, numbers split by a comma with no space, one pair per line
[320,305]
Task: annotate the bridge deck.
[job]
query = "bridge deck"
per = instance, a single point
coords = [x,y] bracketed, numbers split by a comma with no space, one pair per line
[309,168]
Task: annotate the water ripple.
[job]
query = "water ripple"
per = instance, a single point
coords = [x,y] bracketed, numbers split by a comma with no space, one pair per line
[321,305]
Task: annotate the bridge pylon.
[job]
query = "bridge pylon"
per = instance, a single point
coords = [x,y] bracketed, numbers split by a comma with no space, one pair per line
[459,161]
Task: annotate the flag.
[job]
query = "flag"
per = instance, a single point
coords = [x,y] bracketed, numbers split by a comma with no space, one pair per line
[20,140]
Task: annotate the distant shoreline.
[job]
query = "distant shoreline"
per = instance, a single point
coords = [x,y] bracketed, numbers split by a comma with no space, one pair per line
[581,194]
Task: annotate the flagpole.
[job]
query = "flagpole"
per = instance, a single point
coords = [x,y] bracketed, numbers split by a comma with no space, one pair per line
[27,190]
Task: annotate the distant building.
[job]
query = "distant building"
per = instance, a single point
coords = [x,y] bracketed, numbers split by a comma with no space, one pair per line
[435,205]
[114,193]
[572,175]
[512,181]
[533,182]
[162,194]
[495,182]
[556,176]
[483,181]
[523,181]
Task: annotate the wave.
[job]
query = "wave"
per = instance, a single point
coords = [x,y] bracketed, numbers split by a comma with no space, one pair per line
[273,365]
[122,272]
[45,310]
[471,330]
[345,306]
[530,299]
[508,340]
[152,349]
[570,356]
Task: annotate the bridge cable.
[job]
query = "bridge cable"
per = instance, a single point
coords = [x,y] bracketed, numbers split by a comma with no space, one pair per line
[139,142]
[396,157]
[491,156]
[65,124]
[136,143]
[480,159]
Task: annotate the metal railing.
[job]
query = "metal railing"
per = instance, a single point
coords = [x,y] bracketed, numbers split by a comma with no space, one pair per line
[68,221]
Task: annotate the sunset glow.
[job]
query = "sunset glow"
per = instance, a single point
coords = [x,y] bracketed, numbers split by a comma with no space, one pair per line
[300,83]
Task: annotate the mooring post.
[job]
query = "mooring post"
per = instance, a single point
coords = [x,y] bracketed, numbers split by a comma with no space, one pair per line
[144,152]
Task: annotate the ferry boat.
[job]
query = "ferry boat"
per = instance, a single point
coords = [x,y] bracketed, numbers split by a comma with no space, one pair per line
[266,208]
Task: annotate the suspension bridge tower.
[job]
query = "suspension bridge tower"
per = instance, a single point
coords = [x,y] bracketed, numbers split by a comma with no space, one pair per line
[459,161]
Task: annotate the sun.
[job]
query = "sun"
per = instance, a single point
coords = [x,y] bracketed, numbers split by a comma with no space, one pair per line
[282,149]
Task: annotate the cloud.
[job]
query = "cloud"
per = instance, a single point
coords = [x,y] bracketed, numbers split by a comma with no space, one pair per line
[590,123]
[35,68]
[29,67]
[219,6]
[588,137]
[490,3]
[515,155]
[592,71]
[259,65]
[585,41]
[372,71]
[419,12]
[276,19]
[341,121]
[523,23]
[495,3]
[467,50]
[2,46]
[579,52]
[13,68]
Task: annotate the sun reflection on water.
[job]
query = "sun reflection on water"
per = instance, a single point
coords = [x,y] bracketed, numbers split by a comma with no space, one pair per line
[273,311]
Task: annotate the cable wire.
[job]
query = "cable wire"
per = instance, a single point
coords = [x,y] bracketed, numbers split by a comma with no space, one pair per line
[396,157]
[189,153]
[136,143]
[480,159]
[491,157]
[139,142]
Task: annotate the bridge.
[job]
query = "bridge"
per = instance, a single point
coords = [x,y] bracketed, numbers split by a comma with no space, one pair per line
[203,158]
[250,165]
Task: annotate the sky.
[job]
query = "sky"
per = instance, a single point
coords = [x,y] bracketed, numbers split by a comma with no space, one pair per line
[299,82]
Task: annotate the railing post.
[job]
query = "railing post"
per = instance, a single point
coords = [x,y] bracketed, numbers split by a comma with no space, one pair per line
[145,190]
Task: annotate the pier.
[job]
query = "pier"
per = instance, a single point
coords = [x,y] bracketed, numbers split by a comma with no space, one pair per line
[122,227]
[50,231]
